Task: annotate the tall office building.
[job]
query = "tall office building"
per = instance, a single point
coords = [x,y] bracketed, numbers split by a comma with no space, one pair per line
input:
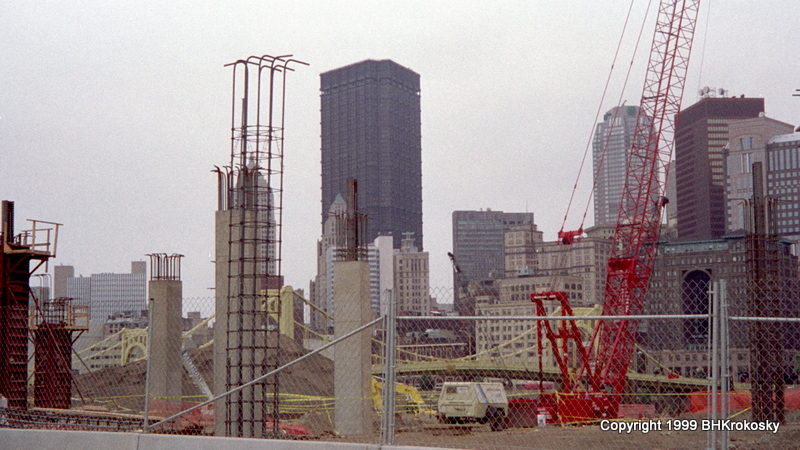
[701,134]
[479,248]
[610,148]
[520,250]
[371,132]
[783,183]
[253,193]
[747,143]
[60,275]
[106,294]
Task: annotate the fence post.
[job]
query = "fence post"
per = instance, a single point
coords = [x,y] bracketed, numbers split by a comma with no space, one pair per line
[390,365]
[720,375]
[714,379]
[145,425]
[725,376]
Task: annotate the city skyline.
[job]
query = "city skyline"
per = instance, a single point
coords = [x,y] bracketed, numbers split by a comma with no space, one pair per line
[121,153]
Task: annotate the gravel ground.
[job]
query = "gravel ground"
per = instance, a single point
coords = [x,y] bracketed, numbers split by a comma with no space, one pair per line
[553,437]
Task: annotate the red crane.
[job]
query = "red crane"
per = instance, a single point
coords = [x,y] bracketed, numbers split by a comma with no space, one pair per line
[631,261]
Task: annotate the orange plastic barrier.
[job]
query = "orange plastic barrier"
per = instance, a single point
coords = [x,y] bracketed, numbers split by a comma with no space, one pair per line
[738,400]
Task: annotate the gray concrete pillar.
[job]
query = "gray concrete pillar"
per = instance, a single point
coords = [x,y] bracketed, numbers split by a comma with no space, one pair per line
[239,338]
[166,369]
[221,258]
[352,357]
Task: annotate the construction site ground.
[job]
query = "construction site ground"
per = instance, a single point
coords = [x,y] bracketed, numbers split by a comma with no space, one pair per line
[419,432]
[121,389]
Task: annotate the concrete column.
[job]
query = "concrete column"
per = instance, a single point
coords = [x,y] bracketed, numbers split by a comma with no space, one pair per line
[352,357]
[166,369]
[221,257]
[237,336]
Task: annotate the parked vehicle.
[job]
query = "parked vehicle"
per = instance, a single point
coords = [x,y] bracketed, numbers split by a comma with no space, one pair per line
[481,402]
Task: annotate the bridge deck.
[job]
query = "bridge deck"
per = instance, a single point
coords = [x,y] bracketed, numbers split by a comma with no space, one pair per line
[492,369]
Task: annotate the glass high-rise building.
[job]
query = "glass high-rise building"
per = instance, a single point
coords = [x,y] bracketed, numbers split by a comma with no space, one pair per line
[371,132]
[783,182]
[612,144]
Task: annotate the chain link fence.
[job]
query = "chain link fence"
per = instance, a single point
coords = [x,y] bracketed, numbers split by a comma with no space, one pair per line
[713,364]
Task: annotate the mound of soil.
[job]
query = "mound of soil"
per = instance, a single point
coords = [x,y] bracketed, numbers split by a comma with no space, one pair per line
[123,387]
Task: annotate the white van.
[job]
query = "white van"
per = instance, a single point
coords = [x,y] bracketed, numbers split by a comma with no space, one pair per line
[479,402]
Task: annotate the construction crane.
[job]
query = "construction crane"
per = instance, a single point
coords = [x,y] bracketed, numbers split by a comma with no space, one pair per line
[605,359]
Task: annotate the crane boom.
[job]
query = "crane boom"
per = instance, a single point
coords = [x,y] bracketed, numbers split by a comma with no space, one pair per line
[638,222]
[633,250]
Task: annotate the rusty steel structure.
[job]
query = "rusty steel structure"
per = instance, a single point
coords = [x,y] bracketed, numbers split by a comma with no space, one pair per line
[250,188]
[38,245]
[351,240]
[764,300]
[56,321]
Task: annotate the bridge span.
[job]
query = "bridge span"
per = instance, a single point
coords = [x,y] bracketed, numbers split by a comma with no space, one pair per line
[491,369]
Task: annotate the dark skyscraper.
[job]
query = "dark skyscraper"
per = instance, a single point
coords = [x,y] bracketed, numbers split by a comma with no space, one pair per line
[701,134]
[371,132]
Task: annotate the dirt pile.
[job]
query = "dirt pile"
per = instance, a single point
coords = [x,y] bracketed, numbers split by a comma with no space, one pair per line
[123,387]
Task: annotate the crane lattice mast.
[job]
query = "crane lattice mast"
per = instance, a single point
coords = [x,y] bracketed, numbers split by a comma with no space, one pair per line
[639,220]
[638,223]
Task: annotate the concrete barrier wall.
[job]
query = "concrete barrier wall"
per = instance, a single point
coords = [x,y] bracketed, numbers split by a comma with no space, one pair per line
[13,439]
[66,440]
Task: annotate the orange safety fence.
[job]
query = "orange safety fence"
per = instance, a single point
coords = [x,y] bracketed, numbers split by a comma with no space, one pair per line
[737,400]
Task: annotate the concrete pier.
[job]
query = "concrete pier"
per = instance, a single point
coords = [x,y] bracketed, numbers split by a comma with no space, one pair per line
[166,369]
[352,357]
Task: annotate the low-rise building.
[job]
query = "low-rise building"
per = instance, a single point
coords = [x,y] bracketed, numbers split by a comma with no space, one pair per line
[515,340]
[411,279]
[585,258]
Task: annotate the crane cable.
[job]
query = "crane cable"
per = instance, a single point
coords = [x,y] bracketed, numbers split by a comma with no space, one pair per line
[564,254]
[613,122]
[599,109]
[703,48]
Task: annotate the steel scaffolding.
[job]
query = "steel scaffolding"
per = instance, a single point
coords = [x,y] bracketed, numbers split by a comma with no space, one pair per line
[18,251]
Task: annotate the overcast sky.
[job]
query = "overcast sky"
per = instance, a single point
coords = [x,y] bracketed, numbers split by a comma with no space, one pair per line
[112,114]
